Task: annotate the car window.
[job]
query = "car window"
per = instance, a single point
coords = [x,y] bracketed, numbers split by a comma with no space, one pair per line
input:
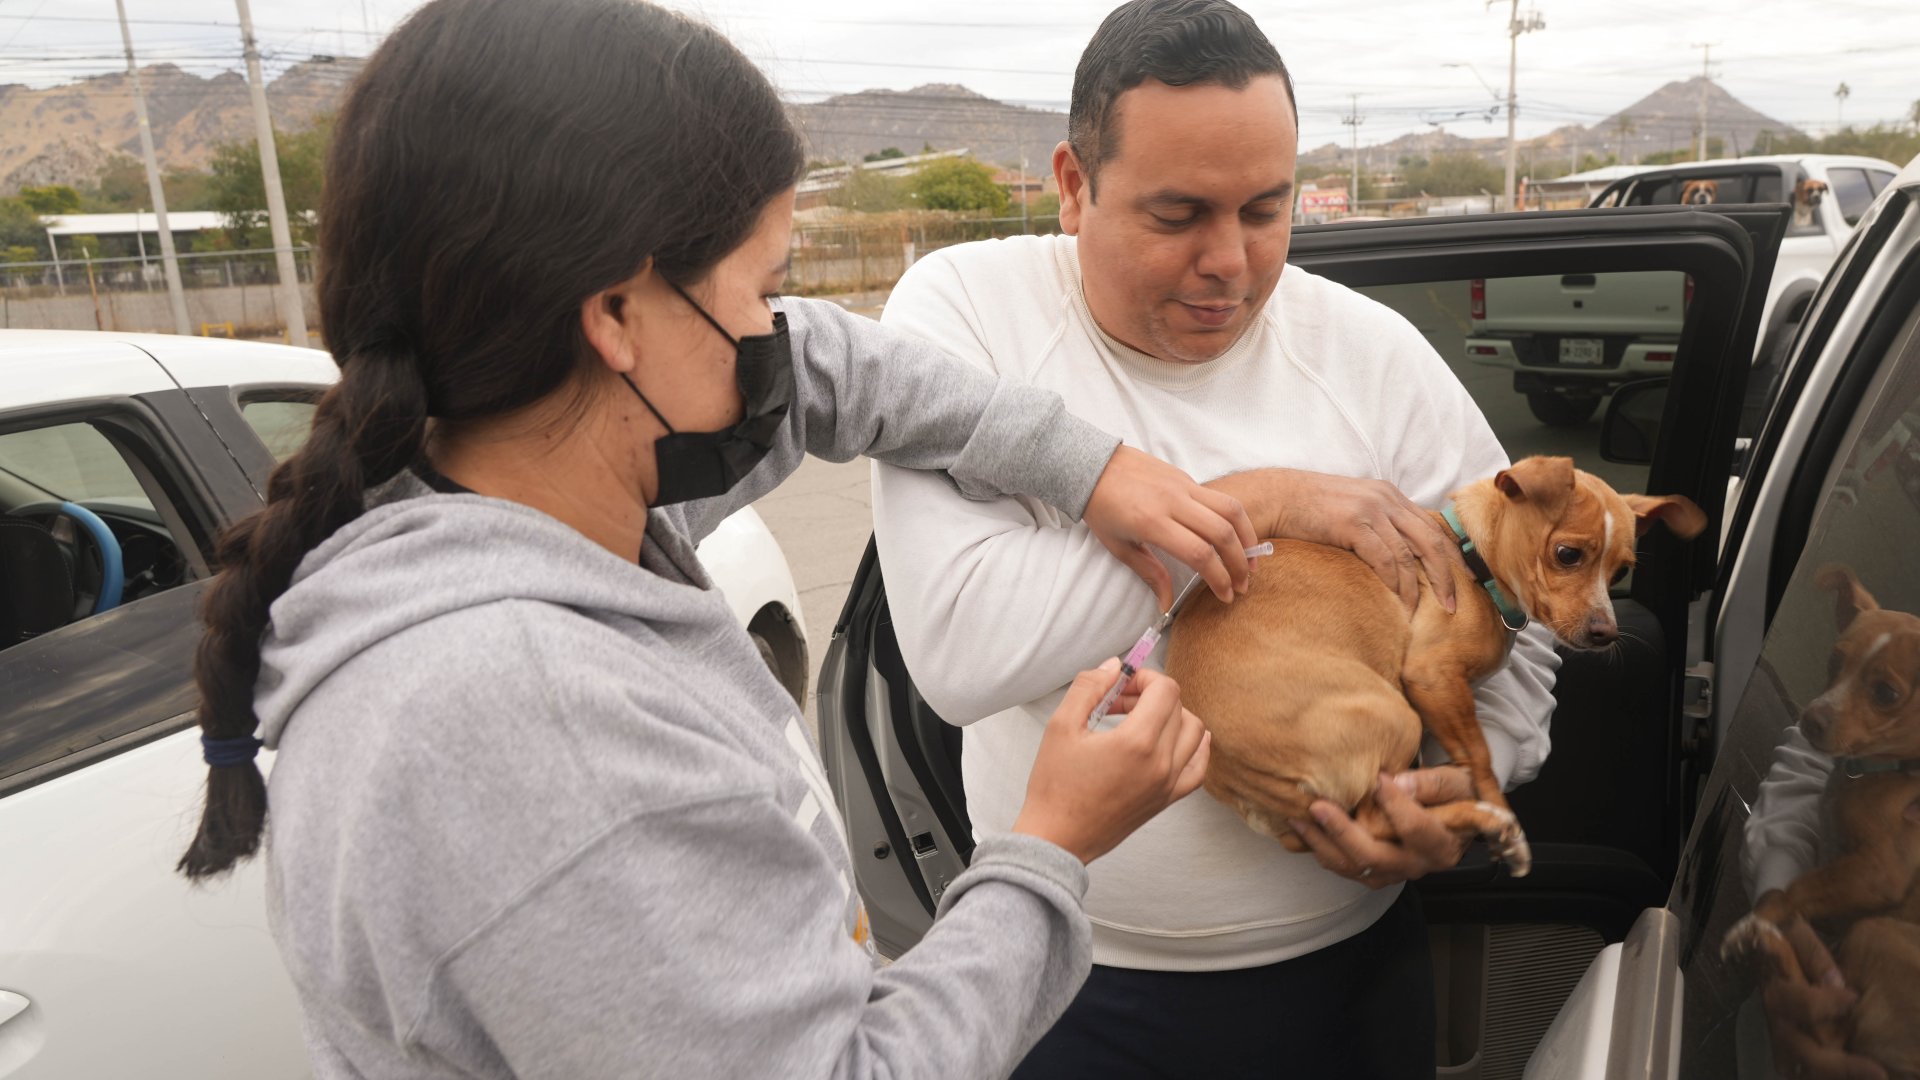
[1736,187]
[1878,179]
[282,424]
[1541,354]
[1852,192]
[1821,767]
[83,529]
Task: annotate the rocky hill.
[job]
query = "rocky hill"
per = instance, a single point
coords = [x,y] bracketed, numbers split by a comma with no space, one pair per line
[942,115]
[1664,120]
[63,134]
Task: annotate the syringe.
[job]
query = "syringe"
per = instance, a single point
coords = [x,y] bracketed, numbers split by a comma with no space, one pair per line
[1136,656]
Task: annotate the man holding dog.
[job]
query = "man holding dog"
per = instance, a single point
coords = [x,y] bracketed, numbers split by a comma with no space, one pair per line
[1167,315]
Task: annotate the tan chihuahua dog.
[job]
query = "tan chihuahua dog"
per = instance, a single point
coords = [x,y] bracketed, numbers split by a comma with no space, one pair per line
[1868,720]
[1318,680]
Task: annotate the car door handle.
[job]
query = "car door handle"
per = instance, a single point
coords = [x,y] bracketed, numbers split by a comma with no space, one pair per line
[12,1005]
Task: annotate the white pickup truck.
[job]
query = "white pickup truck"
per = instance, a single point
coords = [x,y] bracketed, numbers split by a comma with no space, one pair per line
[1571,339]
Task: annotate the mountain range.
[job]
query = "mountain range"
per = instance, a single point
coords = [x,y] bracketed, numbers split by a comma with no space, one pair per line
[63,134]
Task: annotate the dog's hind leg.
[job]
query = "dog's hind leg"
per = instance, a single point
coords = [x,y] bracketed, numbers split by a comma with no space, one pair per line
[1445,704]
[1495,824]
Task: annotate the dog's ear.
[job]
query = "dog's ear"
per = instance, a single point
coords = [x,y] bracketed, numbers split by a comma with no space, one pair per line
[1850,598]
[1544,481]
[1677,512]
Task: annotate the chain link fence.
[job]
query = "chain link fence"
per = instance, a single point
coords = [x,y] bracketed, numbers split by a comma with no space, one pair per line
[870,252]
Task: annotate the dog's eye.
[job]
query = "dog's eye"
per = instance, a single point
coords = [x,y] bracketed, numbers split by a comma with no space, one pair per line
[1567,556]
[1885,694]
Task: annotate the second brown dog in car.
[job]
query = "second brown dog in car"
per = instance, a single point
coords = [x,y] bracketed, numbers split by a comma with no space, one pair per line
[1868,719]
[1318,679]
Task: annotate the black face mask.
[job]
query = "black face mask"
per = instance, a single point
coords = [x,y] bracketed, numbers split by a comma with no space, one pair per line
[703,464]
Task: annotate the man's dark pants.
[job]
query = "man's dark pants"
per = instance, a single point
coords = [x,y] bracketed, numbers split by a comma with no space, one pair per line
[1362,1008]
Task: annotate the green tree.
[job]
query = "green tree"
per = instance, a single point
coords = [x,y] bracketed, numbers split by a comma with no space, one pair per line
[51,199]
[870,192]
[957,184]
[1453,174]
[19,253]
[20,228]
[120,187]
[885,155]
[240,195]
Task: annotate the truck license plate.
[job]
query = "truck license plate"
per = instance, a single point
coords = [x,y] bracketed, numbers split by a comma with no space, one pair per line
[1583,351]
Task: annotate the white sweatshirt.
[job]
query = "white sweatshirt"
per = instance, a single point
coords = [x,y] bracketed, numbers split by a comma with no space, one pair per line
[998,604]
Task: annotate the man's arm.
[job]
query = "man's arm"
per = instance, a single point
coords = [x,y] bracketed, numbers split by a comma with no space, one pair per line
[861,389]
[1783,829]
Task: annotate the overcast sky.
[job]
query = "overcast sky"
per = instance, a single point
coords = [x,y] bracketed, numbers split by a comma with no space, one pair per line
[1783,57]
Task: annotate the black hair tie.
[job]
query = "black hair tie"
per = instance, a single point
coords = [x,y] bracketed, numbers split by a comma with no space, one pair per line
[239,751]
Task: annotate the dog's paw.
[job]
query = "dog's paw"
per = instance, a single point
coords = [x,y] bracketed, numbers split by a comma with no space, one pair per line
[1748,938]
[1508,840]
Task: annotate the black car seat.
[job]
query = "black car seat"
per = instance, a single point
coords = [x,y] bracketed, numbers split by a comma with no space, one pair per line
[36,582]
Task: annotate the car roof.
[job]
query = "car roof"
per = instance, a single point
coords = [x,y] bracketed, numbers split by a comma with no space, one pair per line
[1721,165]
[40,367]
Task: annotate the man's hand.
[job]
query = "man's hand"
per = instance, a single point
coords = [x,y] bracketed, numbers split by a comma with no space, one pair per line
[1804,1014]
[1370,518]
[1344,846]
[1141,501]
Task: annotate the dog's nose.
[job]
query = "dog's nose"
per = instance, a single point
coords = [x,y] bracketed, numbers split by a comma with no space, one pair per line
[1815,719]
[1601,630]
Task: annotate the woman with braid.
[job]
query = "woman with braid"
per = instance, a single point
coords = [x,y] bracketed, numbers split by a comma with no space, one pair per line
[537,806]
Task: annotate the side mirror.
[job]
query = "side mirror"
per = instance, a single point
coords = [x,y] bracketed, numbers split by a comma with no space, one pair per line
[1631,429]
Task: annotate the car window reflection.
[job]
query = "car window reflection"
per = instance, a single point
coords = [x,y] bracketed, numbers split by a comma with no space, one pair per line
[1802,892]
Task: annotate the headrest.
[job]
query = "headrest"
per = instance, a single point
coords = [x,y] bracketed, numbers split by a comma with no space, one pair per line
[36,584]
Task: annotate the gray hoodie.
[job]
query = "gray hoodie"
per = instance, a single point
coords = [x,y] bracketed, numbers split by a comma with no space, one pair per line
[538,811]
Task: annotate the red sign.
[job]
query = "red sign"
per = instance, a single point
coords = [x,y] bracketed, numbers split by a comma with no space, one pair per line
[1323,202]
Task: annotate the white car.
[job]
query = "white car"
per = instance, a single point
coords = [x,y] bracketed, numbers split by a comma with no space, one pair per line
[121,457]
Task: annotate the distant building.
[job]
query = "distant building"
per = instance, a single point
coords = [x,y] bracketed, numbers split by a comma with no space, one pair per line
[1024,186]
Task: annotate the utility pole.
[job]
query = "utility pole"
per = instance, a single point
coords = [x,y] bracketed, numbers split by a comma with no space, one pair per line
[1515,27]
[169,261]
[1023,195]
[291,301]
[1706,80]
[1840,95]
[1353,120]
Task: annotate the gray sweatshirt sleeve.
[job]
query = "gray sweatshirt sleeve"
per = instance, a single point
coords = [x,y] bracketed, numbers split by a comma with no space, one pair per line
[747,971]
[860,388]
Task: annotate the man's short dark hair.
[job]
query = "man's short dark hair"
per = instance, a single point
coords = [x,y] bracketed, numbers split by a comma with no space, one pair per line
[1178,42]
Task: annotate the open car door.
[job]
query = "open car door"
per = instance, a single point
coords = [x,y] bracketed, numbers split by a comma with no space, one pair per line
[1607,815]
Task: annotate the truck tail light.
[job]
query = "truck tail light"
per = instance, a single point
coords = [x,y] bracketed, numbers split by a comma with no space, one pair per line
[1482,350]
[1660,358]
[1479,307]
